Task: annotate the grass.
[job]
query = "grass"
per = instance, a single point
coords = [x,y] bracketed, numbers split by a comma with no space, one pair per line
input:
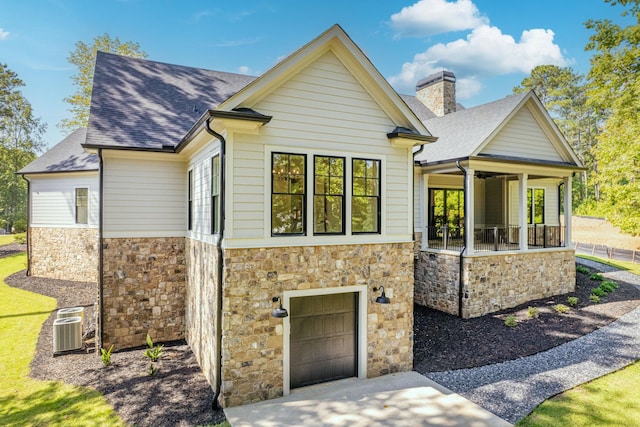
[25,401]
[611,400]
[629,266]
[6,239]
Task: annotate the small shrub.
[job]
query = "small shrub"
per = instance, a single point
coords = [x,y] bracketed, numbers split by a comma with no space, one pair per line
[596,276]
[533,312]
[607,288]
[20,238]
[510,321]
[154,351]
[572,301]
[598,292]
[105,355]
[152,369]
[561,308]
[594,298]
[582,269]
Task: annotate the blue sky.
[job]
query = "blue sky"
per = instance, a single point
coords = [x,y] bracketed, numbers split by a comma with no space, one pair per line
[490,45]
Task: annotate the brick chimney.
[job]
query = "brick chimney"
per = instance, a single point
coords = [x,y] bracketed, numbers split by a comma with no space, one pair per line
[438,92]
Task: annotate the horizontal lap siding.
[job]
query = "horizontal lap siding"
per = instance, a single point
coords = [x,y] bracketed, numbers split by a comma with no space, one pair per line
[144,197]
[321,110]
[523,137]
[53,199]
[551,212]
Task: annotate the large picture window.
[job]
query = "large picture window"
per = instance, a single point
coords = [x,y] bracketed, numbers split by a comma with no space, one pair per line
[535,205]
[328,195]
[288,194]
[365,202]
[215,194]
[82,205]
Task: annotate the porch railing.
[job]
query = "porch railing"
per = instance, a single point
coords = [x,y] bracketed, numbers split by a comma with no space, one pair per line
[497,238]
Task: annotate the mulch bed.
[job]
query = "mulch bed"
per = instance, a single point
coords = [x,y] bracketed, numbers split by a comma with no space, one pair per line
[12,249]
[179,395]
[176,395]
[443,342]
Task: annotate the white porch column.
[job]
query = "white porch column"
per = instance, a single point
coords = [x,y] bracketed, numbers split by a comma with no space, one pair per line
[522,211]
[425,210]
[567,211]
[469,210]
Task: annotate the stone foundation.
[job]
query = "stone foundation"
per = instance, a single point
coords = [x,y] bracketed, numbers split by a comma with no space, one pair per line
[143,290]
[253,340]
[492,283]
[201,305]
[64,253]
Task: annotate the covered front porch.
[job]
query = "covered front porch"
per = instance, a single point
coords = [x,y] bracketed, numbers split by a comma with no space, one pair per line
[481,206]
[517,248]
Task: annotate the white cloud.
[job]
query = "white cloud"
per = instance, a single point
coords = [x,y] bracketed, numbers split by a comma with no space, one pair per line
[485,52]
[243,69]
[428,17]
[4,34]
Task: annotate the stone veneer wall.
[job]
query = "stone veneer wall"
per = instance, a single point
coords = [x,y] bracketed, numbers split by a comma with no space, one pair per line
[440,97]
[253,340]
[494,282]
[201,304]
[64,253]
[143,290]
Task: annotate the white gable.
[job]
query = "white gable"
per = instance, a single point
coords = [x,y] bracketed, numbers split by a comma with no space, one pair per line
[523,137]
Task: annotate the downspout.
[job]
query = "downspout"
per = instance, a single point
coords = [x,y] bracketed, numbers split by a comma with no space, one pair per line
[223,144]
[28,233]
[464,238]
[100,331]
[413,197]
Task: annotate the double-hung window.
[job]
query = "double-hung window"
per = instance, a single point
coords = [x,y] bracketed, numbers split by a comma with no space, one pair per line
[82,205]
[328,195]
[288,196]
[215,194]
[365,200]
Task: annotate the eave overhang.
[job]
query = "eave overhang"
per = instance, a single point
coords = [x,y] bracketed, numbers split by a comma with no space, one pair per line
[406,138]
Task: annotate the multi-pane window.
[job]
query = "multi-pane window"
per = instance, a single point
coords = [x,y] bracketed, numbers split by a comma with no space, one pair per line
[190,203]
[215,194]
[328,195]
[82,205]
[288,194]
[365,202]
[535,205]
[446,208]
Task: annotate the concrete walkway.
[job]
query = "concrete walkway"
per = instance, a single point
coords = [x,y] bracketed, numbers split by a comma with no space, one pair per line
[402,399]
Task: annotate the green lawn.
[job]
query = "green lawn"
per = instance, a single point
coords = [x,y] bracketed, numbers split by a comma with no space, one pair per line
[630,266]
[28,402]
[611,400]
[5,239]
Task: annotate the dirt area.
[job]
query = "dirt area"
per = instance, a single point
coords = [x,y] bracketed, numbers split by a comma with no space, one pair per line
[600,232]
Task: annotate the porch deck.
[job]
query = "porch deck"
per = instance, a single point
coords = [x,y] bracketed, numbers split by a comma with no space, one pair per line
[496,239]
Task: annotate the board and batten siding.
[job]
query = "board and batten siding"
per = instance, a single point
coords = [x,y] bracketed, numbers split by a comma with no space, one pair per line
[550,185]
[53,199]
[145,195]
[321,110]
[523,137]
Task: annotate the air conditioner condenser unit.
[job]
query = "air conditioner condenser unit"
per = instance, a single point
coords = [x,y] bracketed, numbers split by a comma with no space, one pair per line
[67,334]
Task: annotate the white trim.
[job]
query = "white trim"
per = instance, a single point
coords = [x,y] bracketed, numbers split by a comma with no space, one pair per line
[77,226]
[286,241]
[362,310]
[143,234]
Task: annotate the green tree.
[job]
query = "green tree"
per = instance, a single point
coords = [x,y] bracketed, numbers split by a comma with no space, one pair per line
[84,57]
[563,93]
[20,141]
[614,89]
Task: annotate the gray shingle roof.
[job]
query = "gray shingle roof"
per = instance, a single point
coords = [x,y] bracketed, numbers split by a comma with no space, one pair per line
[460,133]
[421,111]
[144,104]
[66,156]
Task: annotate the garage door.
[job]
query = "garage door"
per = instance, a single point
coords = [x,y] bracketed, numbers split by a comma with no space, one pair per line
[323,338]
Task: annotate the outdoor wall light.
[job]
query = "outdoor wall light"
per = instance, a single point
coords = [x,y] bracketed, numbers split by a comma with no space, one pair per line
[382,299]
[279,311]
